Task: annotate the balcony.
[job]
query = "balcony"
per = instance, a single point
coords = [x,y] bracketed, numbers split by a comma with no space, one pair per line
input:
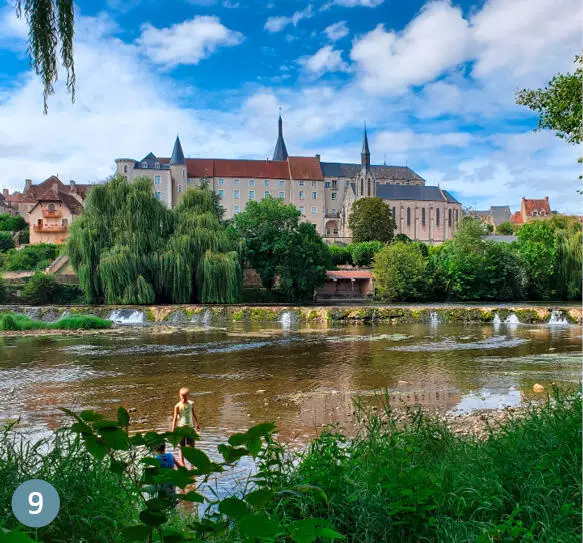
[329,214]
[50,228]
[55,214]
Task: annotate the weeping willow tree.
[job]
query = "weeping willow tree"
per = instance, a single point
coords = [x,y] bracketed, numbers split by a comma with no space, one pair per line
[569,256]
[50,28]
[128,248]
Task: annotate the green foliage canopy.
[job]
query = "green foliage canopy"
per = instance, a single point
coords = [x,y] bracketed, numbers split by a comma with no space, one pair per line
[371,220]
[505,229]
[29,258]
[6,241]
[12,223]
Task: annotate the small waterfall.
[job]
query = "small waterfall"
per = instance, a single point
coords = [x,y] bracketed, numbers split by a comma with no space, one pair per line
[512,319]
[434,318]
[557,318]
[496,320]
[285,320]
[205,318]
[127,316]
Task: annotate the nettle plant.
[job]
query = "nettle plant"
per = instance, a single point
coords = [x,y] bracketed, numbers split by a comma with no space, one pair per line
[131,456]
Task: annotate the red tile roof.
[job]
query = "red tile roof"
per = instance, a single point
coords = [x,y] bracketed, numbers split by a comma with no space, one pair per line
[516,218]
[262,169]
[305,167]
[536,205]
[349,274]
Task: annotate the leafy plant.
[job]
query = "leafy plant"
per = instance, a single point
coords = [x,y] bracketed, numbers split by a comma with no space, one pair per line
[371,220]
[6,241]
[363,253]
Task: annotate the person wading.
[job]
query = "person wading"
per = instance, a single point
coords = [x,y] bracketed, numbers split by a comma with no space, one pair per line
[185,416]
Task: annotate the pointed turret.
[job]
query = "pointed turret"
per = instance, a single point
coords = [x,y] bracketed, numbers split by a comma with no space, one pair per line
[280,152]
[177,154]
[365,153]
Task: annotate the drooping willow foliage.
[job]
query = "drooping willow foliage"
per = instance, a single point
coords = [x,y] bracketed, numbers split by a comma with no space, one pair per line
[50,28]
[569,261]
[128,248]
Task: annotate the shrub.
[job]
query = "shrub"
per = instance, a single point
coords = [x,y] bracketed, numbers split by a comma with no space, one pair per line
[340,254]
[18,322]
[3,291]
[24,237]
[505,229]
[10,223]
[42,288]
[29,258]
[402,238]
[363,253]
[6,241]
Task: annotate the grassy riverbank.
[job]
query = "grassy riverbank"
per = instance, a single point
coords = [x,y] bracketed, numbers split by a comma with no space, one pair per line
[396,481]
[17,322]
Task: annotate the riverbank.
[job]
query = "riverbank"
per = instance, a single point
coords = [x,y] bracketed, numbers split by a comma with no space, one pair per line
[287,315]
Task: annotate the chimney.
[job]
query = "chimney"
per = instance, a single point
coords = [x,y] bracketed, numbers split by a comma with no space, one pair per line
[27,184]
[547,199]
[72,183]
[318,157]
[6,193]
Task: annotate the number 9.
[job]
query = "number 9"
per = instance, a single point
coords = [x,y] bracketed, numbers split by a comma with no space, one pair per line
[38,502]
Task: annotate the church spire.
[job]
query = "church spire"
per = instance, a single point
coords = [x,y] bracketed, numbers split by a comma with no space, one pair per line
[280,152]
[177,154]
[365,153]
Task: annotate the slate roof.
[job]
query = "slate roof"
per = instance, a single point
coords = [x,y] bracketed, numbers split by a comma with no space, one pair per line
[53,190]
[414,192]
[150,160]
[280,151]
[500,214]
[177,153]
[392,173]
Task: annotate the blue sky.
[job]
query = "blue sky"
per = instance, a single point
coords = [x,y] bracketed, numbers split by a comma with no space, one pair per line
[434,81]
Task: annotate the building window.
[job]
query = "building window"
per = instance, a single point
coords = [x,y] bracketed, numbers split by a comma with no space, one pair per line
[221,181]
[179,188]
[423,216]
[144,165]
[456,216]
[266,182]
[282,183]
[266,193]
[368,187]
[327,185]
[334,195]
[251,195]
[314,210]
[236,194]
[437,217]
[52,207]
[301,183]
[333,184]
[362,187]
[221,193]
[159,195]
[157,165]
[125,169]
[301,194]
[184,173]
[314,195]
[236,209]
[65,222]
[302,210]
[394,213]
[235,181]
[156,180]
[408,216]
[449,218]
[281,194]
[251,182]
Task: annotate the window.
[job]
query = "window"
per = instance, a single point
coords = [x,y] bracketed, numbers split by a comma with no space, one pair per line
[313,183]
[456,216]
[52,207]
[333,184]
[266,193]
[251,182]
[236,194]
[236,209]
[156,180]
[314,210]
[302,210]
[301,194]
[327,185]
[125,169]
[144,165]
[179,188]
[449,215]
[157,165]
[159,195]
[221,181]
[333,211]
[184,173]
[235,181]
[368,187]
[65,222]
[251,195]
[394,213]
[314,195]
[334,196]
[437,217]
[408,216]
[266,182]
[423,216]
[301,183]
[282,183]
[221,193]
[362,187]
[281,194]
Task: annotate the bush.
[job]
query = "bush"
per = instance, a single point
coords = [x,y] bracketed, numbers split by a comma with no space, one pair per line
[3,291]
[24,237]
[42,288]
[399,270]
[402,238]
[363,253]
[340,254]
[29,258]
[505,229]
[11,223]
[18,322]
[6,241]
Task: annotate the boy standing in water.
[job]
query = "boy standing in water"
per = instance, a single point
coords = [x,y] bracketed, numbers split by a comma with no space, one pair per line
[184,415]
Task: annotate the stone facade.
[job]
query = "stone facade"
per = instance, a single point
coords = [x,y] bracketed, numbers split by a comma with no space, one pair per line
[322,191]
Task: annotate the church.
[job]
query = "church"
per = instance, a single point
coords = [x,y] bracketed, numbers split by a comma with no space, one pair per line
[323,192]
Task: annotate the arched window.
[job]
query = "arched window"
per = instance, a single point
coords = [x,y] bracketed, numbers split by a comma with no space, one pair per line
[449,218]
[125,169]
[369,191]
[457,216]
[437,217]
[362,187]
[52,207]
[394,213]
[423,216]
[408,216]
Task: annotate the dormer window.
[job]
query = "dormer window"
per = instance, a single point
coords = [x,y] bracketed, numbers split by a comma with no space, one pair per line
[144,165]
[157,165]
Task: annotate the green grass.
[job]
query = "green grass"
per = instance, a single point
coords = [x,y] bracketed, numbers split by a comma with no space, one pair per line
[16,322]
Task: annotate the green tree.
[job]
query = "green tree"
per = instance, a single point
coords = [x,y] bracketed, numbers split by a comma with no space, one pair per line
[50,29]
[276,243]
[371,220]
[538,252]
[11,223]
[362,253]
[128,248]
[505,229]
[400,272]
[42,288]
[6,241]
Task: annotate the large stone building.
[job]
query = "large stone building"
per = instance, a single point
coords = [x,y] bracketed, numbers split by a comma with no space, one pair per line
[322,191]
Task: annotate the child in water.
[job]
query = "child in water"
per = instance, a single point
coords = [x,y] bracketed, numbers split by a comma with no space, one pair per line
[167,460]
[184,415]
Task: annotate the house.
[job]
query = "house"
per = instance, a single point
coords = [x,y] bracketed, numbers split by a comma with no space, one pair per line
[347,284]
[532,210]
[495,216]
[5,207]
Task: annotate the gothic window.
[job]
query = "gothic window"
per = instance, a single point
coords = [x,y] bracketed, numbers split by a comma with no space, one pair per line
[437,217]
[449,218]
[394,213]
[369,191]
[362,187]
[408,216]
[456,216]
[125,169]
[423,216]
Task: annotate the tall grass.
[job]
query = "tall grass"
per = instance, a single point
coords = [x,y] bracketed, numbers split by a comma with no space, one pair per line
[420,482]
[16,322]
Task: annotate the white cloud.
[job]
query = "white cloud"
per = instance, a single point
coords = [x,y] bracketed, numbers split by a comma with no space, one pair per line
[353,3]
[188,42]
[337,31]
[407,140]
[431,43]
[327,59]
[277,24]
